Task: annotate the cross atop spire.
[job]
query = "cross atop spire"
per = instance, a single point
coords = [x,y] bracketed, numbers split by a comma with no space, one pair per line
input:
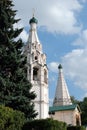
[33,10]
[62,96]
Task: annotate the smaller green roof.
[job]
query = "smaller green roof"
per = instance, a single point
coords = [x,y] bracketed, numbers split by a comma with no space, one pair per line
[62,108]
[33,20]
[60,66]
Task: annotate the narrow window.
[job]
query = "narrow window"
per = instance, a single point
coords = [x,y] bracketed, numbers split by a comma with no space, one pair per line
[45,76]
[35,57]
[35,73]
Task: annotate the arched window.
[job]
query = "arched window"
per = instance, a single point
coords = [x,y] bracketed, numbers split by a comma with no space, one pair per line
[35,73]
[36,58]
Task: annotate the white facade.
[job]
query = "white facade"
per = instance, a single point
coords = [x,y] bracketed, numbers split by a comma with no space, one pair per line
[69,114]
[37,72]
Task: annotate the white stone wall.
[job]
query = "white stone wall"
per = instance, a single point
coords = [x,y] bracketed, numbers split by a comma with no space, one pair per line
[68,116]
[36,60]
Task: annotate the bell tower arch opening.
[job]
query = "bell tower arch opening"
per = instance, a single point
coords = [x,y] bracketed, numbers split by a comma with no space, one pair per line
[35,73]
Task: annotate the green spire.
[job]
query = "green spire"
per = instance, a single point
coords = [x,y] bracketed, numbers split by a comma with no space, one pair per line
[60,66]
[33,20]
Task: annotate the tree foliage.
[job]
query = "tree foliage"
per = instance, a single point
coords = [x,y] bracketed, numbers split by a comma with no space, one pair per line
[83,106]
[10,119]
[15,90]
[74,101]
[45,124]
[76,128]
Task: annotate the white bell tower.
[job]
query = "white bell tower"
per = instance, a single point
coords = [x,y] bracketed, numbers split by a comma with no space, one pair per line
[37,72]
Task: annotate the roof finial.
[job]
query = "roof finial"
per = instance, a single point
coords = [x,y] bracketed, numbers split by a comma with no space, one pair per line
[33,12]
[33,19]
[60,66]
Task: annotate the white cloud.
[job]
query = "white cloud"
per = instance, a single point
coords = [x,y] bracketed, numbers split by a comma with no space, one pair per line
[82,40]
[53,66]
[75,64]
[75,67]
[85,95]
[58,16]
[83,1]
[24,34]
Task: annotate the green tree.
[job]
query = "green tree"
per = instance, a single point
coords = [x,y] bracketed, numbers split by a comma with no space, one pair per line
[45,124]
[83,106]
[11,119]
[74,101]
[15,90]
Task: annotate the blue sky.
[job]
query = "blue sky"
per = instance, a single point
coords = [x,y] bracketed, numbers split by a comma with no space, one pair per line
[62,31]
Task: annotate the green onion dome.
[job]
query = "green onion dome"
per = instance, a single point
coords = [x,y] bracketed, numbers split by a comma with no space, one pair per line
[33,20]
[60,66]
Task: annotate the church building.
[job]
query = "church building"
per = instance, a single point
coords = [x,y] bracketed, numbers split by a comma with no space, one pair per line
[63,109]
[37,72]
